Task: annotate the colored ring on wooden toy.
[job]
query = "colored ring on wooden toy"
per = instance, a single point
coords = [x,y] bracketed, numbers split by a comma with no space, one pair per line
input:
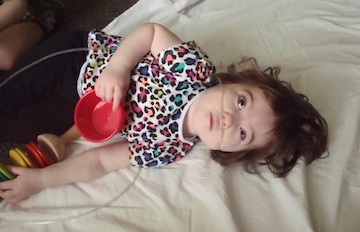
[37,157]
[28,161]
[17,159]
[51,158]
[3,177]
[40,153]
[6,173]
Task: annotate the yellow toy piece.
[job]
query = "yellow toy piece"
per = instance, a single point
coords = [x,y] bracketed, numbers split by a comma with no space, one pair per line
[26,158]
[17,159]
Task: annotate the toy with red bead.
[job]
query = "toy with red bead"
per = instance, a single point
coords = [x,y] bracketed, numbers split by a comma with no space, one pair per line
[94,120]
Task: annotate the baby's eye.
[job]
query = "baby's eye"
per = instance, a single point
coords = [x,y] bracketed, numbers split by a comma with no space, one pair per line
[242,134]
[241,102]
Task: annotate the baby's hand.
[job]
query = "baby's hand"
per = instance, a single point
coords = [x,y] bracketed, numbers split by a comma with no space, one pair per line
[26,184]
[112,85]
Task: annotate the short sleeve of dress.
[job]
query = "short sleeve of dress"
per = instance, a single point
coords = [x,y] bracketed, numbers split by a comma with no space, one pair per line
[156,155]
[101,48]
[187,60]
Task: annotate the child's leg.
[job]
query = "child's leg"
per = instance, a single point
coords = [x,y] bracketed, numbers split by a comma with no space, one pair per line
[17,40]
[12,12]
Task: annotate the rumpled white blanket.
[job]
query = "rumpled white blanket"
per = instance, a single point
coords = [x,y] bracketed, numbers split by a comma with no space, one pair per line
[317,45]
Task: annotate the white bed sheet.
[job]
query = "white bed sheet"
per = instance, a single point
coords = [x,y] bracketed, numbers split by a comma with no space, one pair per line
[317,45]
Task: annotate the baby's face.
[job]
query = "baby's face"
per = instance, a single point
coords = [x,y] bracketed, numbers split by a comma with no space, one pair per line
[233,117]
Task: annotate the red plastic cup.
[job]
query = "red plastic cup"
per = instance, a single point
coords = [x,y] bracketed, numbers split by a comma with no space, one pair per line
[95,119]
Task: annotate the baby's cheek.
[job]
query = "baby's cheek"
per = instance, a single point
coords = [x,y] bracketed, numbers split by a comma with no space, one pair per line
[211,142]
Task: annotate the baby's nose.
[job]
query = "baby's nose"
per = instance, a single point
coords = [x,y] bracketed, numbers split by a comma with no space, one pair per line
[227,120]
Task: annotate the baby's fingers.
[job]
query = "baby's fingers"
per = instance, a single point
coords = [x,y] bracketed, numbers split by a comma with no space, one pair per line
[97,89]
[100,91]
[118,96]
[16,170]
[5,185]
[109,94]
[10,196]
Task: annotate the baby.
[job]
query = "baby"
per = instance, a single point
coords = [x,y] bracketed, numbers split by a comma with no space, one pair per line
[173,98]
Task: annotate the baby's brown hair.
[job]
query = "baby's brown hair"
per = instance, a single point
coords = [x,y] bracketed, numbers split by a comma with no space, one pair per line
[300,131]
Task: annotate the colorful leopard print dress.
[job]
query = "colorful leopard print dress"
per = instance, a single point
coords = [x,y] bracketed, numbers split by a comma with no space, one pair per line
[160,93]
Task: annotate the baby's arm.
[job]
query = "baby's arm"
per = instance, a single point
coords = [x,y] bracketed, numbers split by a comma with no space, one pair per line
[86,166]
[114,81]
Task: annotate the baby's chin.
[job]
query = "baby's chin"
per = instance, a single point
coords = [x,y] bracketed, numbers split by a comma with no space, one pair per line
[212,145]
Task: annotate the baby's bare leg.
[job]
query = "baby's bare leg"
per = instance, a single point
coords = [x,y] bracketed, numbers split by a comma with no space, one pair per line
[12,12]
[16,40]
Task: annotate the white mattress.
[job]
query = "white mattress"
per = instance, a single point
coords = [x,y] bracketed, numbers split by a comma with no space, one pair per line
[317,45]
